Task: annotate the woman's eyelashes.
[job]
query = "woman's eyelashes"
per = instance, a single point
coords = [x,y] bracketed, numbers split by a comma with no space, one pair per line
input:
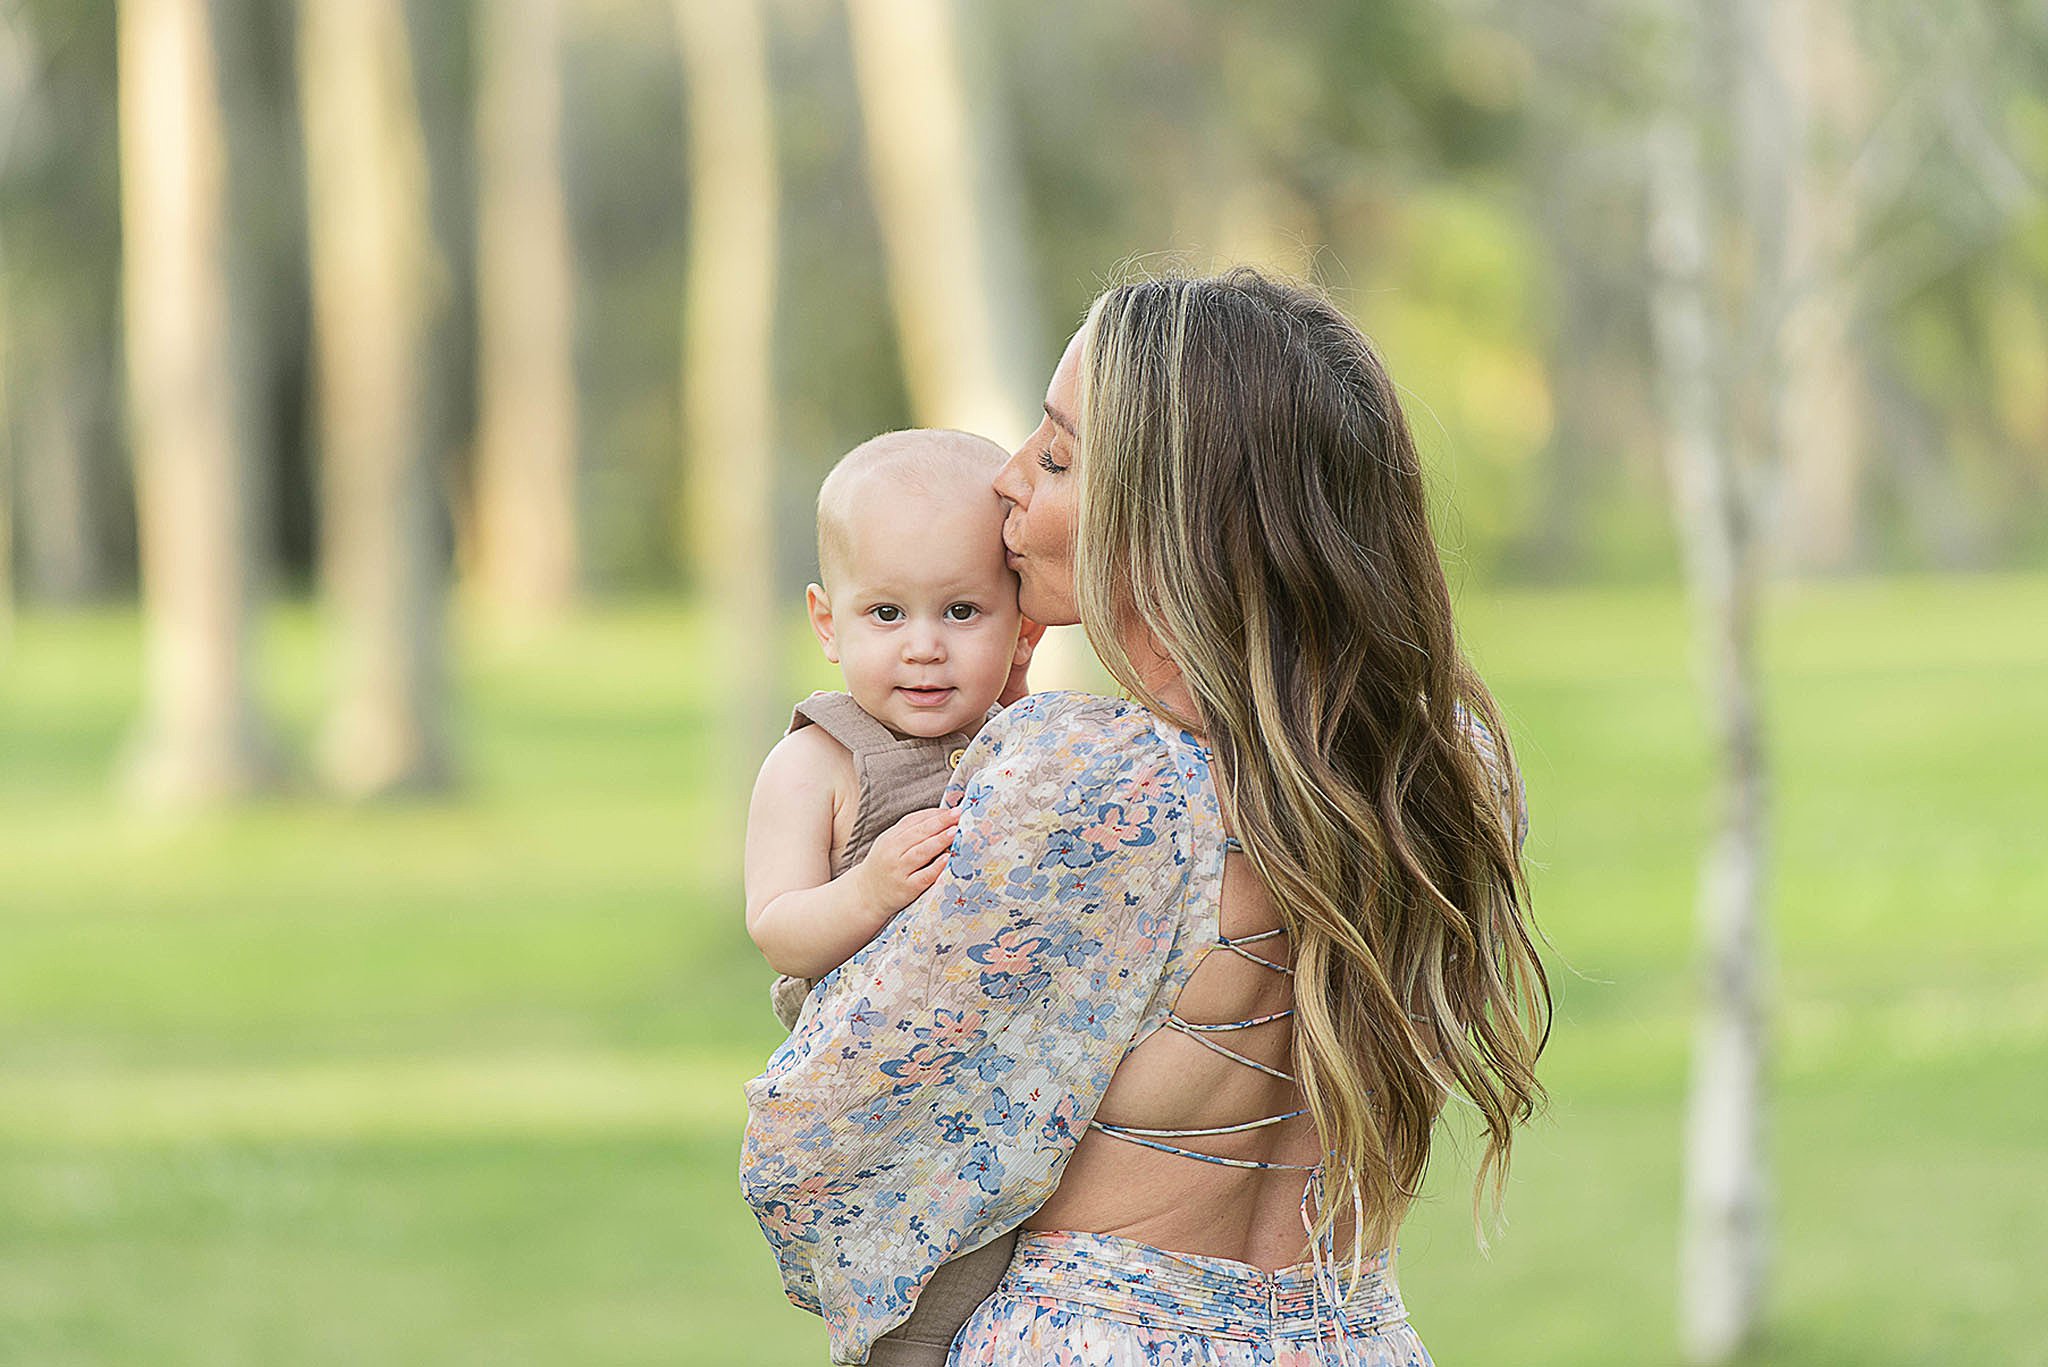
[1048,464]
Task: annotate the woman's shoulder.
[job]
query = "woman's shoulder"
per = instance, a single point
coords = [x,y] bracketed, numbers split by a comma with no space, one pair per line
[1066,726]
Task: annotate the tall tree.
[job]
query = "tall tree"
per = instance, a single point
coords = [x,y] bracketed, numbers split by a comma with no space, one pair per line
[525,493]
[200,738]
[729,361]
[372,275]
[942,173]
[1718,352]
[1827,435]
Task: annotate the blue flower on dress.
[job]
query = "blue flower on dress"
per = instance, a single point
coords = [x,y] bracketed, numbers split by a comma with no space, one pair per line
[1069,849]
[875,1296]
[864,1019]
[1001,1113]
[1004,987]
[1072,947]
[955,1126]
[989,1063]
[983,1168]
[1089,1018]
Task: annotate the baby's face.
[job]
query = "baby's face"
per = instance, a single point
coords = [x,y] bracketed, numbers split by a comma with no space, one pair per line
[922,614]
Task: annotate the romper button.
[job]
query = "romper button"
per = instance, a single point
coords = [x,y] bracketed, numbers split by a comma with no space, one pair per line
[953,760]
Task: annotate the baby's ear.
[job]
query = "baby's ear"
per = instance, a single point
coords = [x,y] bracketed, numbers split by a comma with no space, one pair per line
[819,607]
[1029,633]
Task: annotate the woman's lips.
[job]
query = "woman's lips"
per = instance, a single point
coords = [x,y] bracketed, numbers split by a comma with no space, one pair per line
[926,697]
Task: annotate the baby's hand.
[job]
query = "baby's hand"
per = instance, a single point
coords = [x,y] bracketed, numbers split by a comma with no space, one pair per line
[905,860]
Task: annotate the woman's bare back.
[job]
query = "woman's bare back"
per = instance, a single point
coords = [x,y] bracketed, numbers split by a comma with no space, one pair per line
[1171,1081]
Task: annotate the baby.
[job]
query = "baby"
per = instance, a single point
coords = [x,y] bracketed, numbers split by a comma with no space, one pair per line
[919,611]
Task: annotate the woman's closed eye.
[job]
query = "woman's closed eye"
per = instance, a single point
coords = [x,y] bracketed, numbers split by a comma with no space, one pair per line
[1048,464]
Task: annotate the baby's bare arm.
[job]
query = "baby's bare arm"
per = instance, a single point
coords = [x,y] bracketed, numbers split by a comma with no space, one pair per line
[804,921]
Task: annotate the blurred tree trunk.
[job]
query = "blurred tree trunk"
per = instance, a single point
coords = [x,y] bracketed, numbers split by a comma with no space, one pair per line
[7,463]
[63,554]
[525,494]
[943,176]
[372,275]
[200,738]
[15,87]
[1722,394]
[943,180]
[728,528]
[1827,434]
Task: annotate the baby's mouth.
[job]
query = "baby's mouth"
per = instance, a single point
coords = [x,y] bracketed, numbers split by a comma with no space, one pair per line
[926,697]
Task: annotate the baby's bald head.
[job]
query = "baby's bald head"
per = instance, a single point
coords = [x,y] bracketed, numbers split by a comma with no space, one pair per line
[934,462]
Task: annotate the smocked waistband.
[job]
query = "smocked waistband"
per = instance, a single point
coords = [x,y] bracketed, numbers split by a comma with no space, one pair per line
[1124,1279]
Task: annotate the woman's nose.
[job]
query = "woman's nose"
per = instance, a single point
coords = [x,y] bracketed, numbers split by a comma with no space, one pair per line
[1009,481]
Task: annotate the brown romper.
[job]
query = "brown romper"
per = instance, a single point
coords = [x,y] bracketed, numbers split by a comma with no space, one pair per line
[898,775]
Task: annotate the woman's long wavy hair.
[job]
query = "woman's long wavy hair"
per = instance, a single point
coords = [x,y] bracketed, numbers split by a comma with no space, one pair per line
[1251,494]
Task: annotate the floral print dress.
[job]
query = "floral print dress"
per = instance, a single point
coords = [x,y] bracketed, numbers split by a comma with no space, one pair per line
[937,1082]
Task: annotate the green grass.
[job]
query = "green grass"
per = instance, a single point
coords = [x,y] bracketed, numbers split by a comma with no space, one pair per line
[459,1083]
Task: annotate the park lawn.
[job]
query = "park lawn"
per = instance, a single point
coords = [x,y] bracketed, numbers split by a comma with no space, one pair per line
[452,1084]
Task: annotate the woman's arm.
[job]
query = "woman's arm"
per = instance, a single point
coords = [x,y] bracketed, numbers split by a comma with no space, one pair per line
[936,1084]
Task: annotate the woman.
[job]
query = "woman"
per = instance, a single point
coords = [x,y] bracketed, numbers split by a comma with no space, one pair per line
[1225,494]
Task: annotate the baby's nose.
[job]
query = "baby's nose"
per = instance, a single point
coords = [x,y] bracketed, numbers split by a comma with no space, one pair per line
[923,643]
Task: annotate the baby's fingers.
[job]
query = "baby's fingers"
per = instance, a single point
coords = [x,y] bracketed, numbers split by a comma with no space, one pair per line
[924,822]
[932,847]
[929,874]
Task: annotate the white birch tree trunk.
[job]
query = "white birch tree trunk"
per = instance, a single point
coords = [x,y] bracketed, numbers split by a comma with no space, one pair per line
[728,524]
[200,740]
[525,500]
[1723,1238]
[372,274]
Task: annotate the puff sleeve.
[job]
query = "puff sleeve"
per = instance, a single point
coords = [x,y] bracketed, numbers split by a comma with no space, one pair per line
[937,1082]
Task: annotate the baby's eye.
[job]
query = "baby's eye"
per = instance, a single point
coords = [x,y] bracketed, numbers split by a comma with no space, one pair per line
[887,613]
[962,612]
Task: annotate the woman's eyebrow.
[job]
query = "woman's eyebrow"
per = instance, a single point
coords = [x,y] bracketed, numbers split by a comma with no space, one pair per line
[1064,423]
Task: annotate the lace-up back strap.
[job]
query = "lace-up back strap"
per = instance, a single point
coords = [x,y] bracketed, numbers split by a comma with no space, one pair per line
[1200,1032]
[1234,947]
[1137,1134]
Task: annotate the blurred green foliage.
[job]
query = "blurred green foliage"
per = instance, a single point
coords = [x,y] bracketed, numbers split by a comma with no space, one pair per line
[1467,177]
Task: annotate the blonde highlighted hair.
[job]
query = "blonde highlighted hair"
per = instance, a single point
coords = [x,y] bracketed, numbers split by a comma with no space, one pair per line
[1251,495]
